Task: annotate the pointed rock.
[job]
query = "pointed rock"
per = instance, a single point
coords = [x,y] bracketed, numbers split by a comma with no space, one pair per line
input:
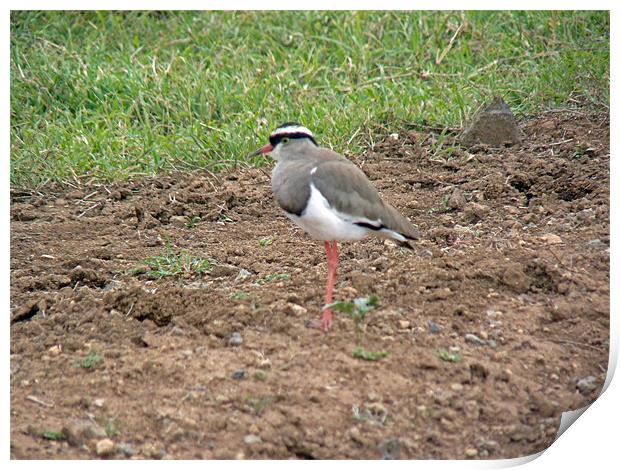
[494,126]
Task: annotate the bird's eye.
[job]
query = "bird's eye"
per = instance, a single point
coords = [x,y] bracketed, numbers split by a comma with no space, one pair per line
[285,140]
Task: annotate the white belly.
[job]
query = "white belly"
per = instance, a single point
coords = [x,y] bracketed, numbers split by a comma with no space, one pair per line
[322,223]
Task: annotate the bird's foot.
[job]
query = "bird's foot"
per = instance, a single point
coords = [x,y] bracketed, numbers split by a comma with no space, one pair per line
[324,324]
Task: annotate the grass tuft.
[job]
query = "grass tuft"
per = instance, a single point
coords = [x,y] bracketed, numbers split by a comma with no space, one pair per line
[172,264]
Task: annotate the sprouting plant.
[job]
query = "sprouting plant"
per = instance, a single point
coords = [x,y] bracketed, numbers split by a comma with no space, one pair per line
[240,295]
[361,353]
[171,264]
[357,310]
[266,241]
[192,221]
[447,356]
[90,361]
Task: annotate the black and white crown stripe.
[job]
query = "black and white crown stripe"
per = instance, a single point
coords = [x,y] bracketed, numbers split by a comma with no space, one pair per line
[291,130]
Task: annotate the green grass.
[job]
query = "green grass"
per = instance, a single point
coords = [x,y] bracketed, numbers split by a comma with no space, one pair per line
[93,359]
[170,263]
[361,353]
[110,95]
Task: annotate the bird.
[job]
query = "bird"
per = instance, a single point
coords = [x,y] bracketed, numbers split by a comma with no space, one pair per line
[330,198]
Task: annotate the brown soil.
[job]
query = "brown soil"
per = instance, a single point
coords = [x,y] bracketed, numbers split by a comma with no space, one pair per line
[515,251]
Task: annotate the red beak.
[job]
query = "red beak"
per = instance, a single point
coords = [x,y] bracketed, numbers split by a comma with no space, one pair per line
[261,151]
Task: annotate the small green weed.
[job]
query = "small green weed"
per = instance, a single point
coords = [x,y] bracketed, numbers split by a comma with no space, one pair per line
[111,429]
[172,264]
[266,241]
[260,375]
[93,359]
[447,356]
[361,353]
[259,404]
[192,221]
[54,435]
[357,310]
[240,295]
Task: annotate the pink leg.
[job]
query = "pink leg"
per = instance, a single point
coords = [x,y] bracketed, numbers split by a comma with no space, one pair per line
[332,263]
[331,248]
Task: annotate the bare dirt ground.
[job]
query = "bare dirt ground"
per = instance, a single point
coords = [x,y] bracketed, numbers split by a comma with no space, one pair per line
[495,325]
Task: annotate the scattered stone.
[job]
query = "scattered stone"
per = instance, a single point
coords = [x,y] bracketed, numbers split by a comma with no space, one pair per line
[99,402]
[404,324]
[150,451]
[550,239]
[457,387]
[125,448]
[471,409]
[456,201]
[252,439]
[239,374]
[470,453]
[105,447]
[587,385]
[355,435]
[440,294]
[596,243]
[426,253]
[82,431]
[235,339]
[434,327]
[473,212]
[586,214]
[495,126]
[55,350]
[391,448]
[473,339]
[178,220]
[504,375]
[243,274]
[297,310]
[177,331]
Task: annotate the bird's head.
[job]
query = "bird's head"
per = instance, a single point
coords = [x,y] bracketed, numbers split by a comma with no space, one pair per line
[286,138]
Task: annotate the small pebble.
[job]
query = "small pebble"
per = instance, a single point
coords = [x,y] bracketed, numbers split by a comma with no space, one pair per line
[239,374]
[426,253]
[235,339]
[471,452]
[105,447]
[587,385]
[550,239]
[404,324]
[433,327]
[472,338]
[99,402]
[55,350]
[252,439]
[125,449]
[457,387]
